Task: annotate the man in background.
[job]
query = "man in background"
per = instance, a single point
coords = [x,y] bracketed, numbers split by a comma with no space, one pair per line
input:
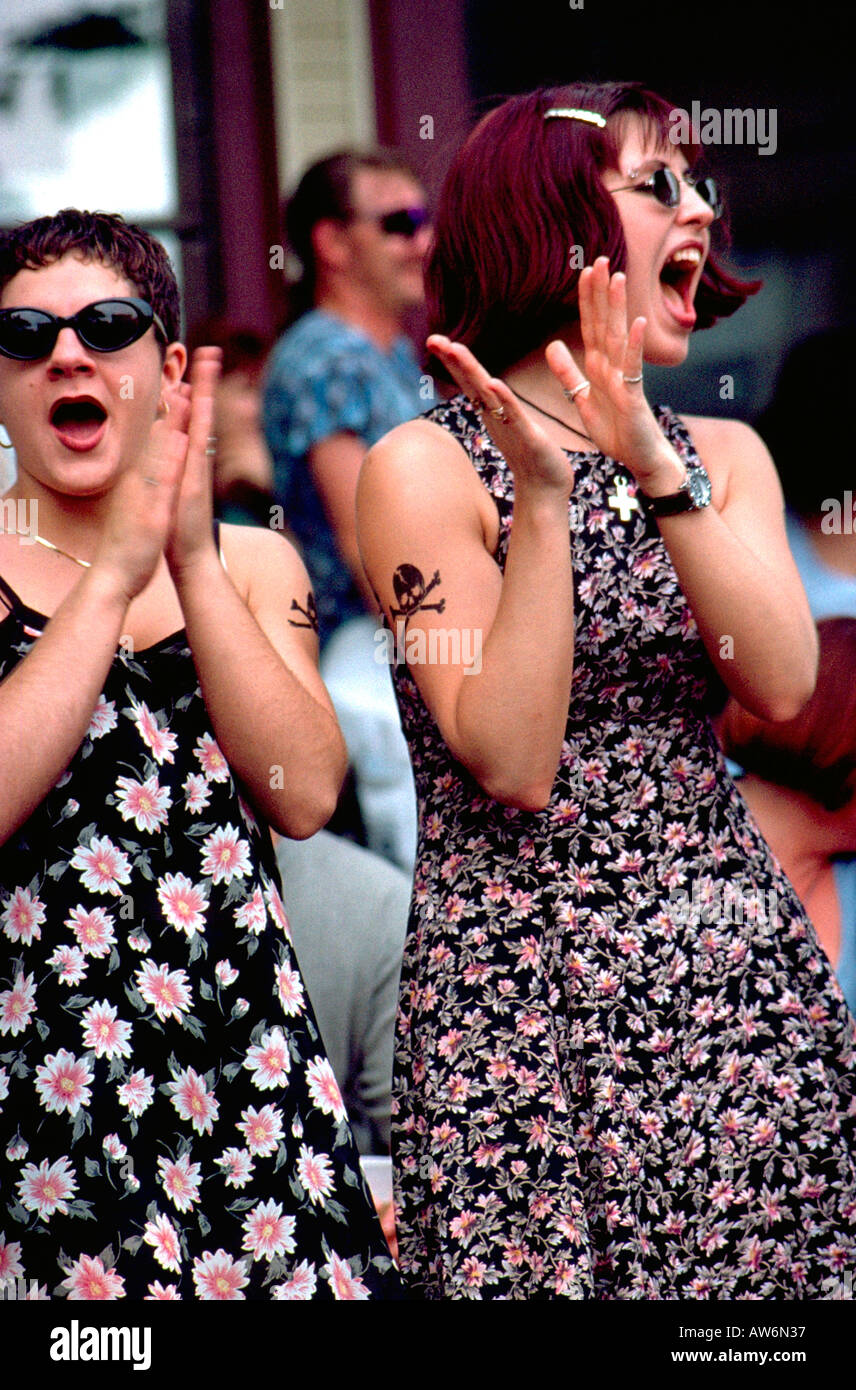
[342,376]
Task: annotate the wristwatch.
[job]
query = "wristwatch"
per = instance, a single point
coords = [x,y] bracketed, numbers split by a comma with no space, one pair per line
[691,496]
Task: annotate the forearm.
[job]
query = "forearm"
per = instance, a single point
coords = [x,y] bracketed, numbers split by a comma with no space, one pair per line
[511,716]
[280,742]
[762,643]
[46,702]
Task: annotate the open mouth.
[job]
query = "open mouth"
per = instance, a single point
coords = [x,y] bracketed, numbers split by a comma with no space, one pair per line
[679,278]
[79,424]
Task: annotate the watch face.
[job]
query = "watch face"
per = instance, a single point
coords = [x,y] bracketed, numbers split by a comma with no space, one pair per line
[698,487]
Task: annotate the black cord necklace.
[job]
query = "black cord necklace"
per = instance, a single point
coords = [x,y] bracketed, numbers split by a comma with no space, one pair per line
[563,423]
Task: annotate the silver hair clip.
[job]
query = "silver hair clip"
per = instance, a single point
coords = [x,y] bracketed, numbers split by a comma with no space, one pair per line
[573,113]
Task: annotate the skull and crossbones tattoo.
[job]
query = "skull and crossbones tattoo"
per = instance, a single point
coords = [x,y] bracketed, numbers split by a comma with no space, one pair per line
[411,591]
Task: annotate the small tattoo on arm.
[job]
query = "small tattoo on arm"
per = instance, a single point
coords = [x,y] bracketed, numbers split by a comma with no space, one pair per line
[310,612]
[411,591]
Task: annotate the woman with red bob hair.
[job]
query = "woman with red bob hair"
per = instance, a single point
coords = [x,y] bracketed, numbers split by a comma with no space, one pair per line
[605,1087]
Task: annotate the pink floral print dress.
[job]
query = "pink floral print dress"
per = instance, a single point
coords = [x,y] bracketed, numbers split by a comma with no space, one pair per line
[625,1069]
[170,1127]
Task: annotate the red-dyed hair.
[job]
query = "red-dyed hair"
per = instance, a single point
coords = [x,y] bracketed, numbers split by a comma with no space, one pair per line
[521,192]
[816,752]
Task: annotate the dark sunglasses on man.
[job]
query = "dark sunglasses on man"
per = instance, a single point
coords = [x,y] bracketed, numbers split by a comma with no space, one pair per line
[402,222]
[105,326]
[665,185]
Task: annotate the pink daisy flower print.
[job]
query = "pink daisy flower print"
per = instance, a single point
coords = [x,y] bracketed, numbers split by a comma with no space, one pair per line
[162,1236]
[180,1181]
[324,1088]
[218,1277]
[267,1233]
[4,1084]
[17,1004]
[225,855]
[214,765]
[183,903]
[23,916]
[69,962]
[345,1285]
[88,1281]
[93,930]
[194,1102]
[289,987]
[251,915]
[262,1129]
[107,1035]
[137,1093]
[10,1259]
[145,803]
[277,911]
[237,1165]
[196,793]
[299,1287]
[269,1061]
[160,742]
[102,866]
[162,1293]
[166,990]
[63,1082]
[315,1174]
[103,718]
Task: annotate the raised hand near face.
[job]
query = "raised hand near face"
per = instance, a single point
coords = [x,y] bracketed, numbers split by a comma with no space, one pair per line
[531,455]
[191,418]
[608,391]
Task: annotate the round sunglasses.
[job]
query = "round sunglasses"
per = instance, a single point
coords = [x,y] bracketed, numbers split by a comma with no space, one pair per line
[105,326]
[666,188]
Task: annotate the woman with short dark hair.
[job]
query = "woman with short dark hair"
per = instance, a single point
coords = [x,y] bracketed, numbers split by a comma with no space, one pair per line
[170,1125]
[598,1094]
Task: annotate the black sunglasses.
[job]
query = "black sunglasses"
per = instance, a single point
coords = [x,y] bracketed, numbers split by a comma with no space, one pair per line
[106,326]
[666,188]
[402,222]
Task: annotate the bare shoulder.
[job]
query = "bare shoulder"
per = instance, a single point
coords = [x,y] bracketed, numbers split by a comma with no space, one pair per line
[741,471]
[418,468]
[260,555]
[731,441]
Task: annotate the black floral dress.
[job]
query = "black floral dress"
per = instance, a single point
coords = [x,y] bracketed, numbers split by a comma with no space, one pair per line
[169,1124]
[625,1069]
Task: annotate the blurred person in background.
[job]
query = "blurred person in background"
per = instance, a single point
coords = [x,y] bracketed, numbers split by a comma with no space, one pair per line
[817,473]
[799,782]
[340,377]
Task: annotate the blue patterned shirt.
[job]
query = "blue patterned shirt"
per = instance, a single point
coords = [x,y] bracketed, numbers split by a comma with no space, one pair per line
[326,377]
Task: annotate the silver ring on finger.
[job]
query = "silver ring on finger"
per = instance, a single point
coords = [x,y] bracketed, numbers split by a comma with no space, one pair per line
[499,414]
[573,391]
[631,380]
[211,446]
[152,482]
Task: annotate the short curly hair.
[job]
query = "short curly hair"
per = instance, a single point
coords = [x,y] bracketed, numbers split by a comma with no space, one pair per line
[97,236]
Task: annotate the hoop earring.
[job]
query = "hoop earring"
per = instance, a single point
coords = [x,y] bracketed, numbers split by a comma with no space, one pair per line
[10,445]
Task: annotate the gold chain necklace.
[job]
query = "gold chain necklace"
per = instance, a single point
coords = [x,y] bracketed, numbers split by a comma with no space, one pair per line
[49,545]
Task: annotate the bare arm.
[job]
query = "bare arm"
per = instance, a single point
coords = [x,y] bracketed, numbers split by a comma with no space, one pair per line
[738,574]
[335,463]
[420,503]
[253,643]
[256,653]
[731,557]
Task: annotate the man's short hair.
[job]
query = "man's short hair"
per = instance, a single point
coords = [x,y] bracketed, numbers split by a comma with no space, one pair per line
[326,191]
